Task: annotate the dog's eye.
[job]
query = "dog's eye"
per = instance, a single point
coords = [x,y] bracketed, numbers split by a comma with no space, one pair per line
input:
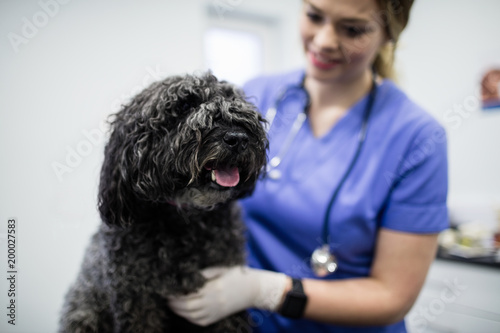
[186,107]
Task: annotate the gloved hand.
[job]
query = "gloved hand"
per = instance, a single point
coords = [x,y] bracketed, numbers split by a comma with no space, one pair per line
[229,290]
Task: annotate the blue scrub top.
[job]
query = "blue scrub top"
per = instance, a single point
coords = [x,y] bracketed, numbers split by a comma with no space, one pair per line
[399,182]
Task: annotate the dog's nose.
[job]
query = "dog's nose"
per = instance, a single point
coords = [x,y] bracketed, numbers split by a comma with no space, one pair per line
[236,140]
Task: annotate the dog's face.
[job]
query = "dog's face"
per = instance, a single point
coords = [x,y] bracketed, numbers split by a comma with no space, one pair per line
[186,140]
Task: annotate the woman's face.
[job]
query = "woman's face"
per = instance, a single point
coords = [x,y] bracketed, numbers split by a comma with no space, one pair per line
[341,38]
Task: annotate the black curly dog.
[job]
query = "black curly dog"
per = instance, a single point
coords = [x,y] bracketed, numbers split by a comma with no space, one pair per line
[178,156]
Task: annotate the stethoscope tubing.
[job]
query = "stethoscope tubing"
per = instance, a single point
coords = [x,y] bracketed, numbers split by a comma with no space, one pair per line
[361,140]
[271,114]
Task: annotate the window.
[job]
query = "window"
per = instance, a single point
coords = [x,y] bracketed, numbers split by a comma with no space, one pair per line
[240,45]
[233,55]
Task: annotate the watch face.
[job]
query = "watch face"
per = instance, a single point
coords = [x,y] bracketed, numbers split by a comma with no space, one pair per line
[298,301]
[295,301]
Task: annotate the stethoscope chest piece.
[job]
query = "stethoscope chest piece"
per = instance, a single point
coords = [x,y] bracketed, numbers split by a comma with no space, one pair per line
[274,174]
[323,262]
[271,171]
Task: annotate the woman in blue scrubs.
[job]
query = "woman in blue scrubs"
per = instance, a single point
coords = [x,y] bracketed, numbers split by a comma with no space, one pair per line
[381,226]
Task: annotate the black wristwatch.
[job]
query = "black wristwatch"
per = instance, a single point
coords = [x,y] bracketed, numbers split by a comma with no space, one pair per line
[295,301]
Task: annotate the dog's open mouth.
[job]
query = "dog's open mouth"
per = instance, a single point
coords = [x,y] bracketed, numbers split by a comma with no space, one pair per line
[224,175]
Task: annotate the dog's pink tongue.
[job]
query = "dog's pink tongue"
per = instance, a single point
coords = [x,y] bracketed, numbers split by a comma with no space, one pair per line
[227,177]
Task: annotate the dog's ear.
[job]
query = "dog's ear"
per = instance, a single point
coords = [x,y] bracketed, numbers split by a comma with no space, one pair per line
[178,95]
[135,173]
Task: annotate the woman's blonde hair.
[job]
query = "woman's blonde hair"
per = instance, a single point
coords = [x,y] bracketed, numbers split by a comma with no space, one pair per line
[393,16]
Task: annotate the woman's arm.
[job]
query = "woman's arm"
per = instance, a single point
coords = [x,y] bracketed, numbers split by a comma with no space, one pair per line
[398,272]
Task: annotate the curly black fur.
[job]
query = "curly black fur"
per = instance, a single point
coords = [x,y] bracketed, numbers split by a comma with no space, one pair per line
[164,218]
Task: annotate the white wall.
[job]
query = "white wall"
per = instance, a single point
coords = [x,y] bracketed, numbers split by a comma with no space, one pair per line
[90,55]
[446,49]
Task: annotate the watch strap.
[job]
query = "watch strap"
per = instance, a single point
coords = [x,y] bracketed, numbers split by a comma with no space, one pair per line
[295,301]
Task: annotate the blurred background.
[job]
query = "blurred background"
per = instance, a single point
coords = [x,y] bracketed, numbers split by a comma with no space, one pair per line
[67,64]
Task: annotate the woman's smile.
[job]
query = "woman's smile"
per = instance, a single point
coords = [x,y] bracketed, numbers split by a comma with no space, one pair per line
[323,61]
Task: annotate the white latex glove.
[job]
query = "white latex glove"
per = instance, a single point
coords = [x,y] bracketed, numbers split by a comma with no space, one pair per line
[229,290]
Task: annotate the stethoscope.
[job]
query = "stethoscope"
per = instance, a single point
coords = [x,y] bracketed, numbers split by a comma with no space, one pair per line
[323,261]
